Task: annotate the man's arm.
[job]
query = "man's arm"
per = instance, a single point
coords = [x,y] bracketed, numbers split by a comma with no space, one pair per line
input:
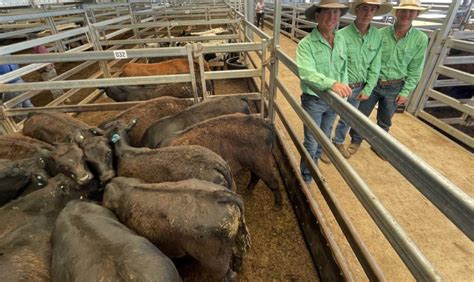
[414,69]
[373,72]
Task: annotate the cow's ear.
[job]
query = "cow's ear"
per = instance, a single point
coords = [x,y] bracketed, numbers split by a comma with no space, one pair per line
[77,137]
[97,131]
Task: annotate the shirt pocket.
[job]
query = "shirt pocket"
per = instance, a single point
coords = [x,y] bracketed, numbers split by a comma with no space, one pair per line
[408,54]
[352,54]
[338,60]
[369,52]
[321,61]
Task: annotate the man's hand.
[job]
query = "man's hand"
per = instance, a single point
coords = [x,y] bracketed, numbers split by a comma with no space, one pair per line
[341,89]
[362,96]
[400,100]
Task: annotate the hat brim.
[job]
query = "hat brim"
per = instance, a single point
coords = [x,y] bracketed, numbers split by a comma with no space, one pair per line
[309,13]
[416,8]
[384,8]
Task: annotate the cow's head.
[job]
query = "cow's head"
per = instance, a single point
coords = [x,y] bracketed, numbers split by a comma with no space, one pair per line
[98,154]
[69,160]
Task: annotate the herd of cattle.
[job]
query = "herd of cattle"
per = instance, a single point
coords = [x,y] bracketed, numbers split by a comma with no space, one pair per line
[124,200]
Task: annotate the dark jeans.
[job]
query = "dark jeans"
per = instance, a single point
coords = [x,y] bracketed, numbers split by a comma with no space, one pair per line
[385,95]
[10,95]
[324,117]
[342,127]
[260,19]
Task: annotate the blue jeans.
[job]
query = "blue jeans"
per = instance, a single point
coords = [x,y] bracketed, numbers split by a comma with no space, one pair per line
[10,95]
[385,95]
[324,117]
[342,126]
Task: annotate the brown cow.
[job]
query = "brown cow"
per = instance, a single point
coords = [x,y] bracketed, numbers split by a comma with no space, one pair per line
[62,158]
[244,141]
[61,128]
[147,113]
[175,66]
[167,164]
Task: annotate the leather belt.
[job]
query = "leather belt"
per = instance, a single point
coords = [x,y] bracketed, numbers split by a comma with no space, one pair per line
[356,84]
[390,82]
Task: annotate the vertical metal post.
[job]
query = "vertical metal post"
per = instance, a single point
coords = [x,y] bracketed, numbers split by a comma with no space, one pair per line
[189,50]
[54,30]
[433,60]
[263,89]
[274,60]
[94,37]
[293,20]
[250,16]
[133,21]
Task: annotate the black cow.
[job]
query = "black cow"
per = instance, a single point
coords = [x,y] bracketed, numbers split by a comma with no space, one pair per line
[89,244]
[190,218]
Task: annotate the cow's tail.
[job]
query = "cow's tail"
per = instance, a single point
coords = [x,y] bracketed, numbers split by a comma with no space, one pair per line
[224,169]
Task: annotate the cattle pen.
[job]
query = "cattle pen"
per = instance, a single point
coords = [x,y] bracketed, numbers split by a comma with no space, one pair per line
[412,219]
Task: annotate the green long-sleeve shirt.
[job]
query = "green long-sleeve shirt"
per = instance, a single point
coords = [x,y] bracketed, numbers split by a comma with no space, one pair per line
[319,64]
[364,55]
[404,58]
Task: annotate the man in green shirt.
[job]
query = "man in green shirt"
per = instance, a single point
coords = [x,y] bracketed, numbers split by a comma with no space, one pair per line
[322,63]
[364,52]
[403,58]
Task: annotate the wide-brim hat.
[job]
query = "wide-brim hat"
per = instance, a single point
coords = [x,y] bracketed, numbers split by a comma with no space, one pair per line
[384,7]
[328,4]
[410,5]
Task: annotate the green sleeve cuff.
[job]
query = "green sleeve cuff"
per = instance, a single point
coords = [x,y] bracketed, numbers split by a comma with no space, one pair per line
[327,83]
[404,93]
[368,90]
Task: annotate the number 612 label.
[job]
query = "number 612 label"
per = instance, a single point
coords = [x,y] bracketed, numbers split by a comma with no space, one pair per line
[120,54]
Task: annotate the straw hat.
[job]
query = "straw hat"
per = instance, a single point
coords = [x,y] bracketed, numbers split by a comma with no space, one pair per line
[410,5]
[384,7]
[329,4]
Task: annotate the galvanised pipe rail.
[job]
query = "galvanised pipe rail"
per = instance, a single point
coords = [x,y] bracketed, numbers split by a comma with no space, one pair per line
[5,50]
[92,55]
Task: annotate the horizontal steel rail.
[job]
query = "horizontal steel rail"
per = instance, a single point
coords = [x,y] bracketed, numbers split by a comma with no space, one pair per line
[93,55]
[466,139]
[445,195]
[459,60]
[232,74]
[169,24]
[168,39]
[34,16]
[457,74]
[452,102]
[463,45]
[89,83]
[235,47]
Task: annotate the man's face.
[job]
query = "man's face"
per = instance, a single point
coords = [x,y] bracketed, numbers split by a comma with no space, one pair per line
[328,19]
[406,17]
[365,12]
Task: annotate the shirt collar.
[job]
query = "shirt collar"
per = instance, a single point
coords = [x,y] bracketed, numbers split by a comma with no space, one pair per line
[392,30]
[356,30]
[317,36]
